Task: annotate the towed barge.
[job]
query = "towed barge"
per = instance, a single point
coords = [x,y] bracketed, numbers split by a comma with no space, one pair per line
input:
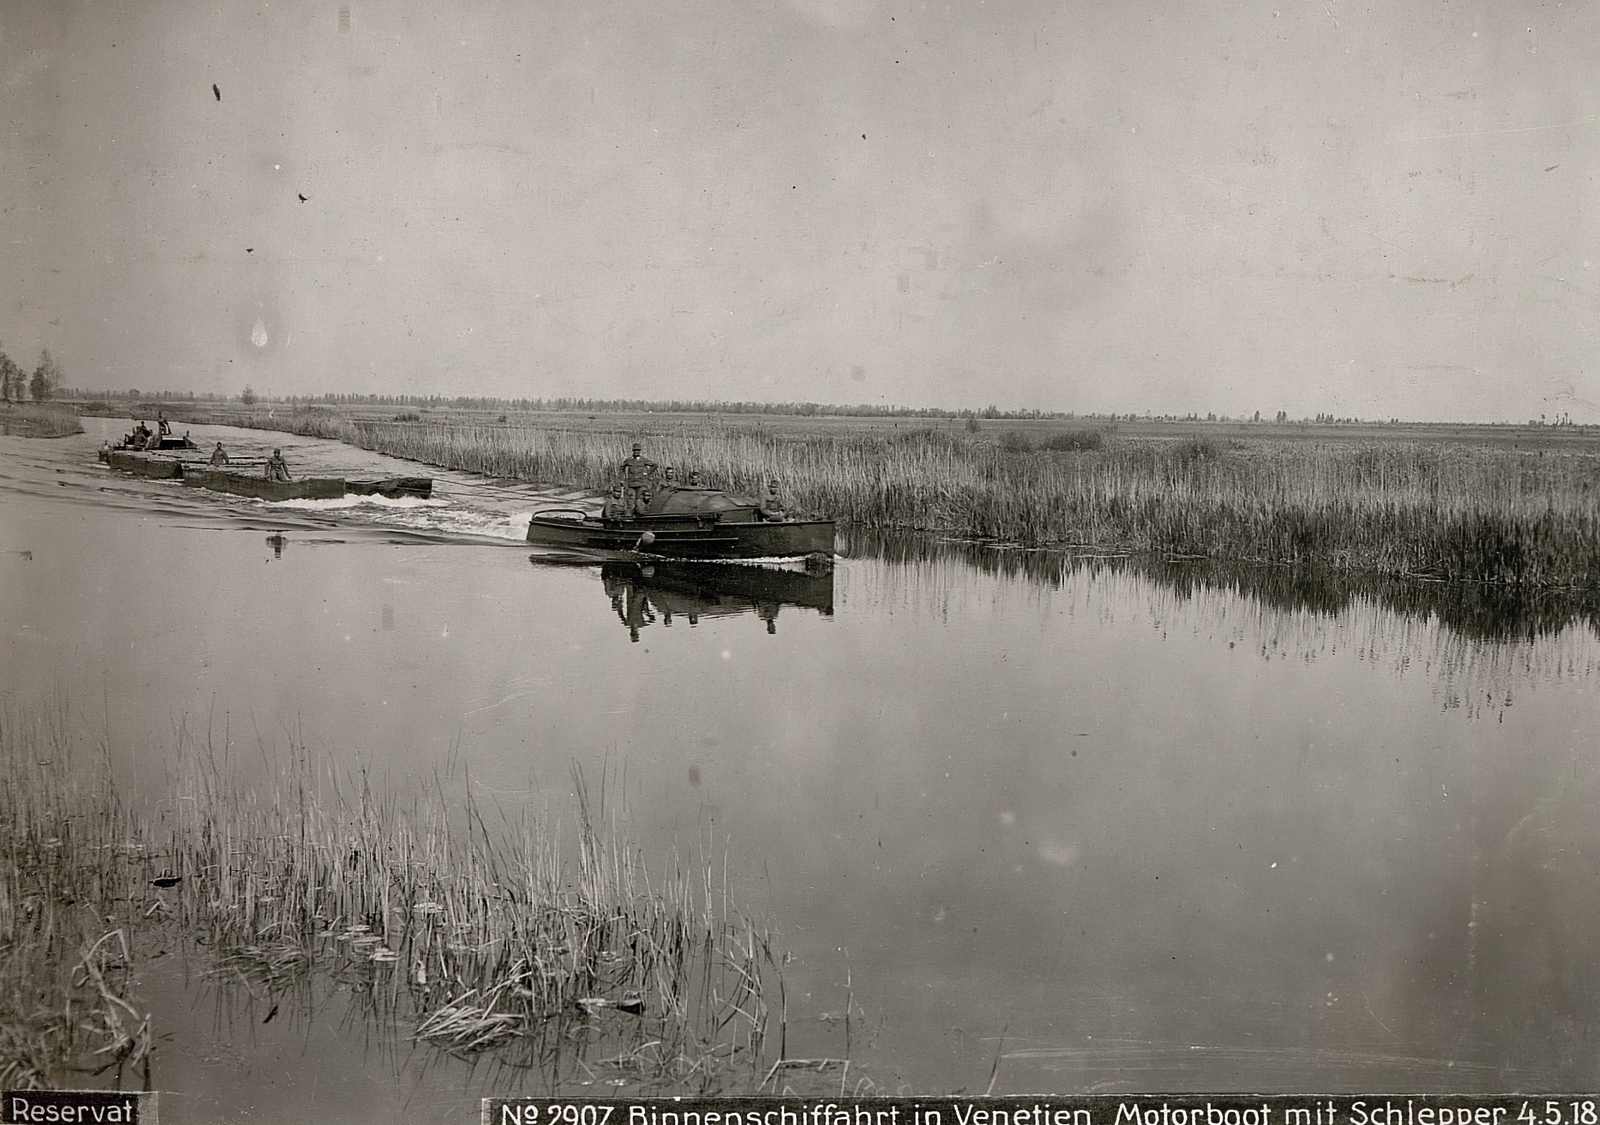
[236,482]
[685,523]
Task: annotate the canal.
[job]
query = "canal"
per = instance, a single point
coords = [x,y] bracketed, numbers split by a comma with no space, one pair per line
[1030,824]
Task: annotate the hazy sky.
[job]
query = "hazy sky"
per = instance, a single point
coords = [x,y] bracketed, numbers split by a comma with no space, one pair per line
[1382,209]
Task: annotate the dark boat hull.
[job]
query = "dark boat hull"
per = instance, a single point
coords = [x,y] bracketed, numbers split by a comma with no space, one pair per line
[671,537]
[259,487]
[392,487]
[143,464]
[238,482]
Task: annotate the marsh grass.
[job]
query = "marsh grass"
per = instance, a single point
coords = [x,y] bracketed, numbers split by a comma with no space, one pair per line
[443,921]
[1483,512]
[1073,441]
[38,420]
[70,896]
[463,923]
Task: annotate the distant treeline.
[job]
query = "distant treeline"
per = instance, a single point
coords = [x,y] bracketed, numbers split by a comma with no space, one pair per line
[579,405]
[250,397]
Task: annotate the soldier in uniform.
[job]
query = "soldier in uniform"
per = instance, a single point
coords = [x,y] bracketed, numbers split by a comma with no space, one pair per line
[616,507]
[771,507]
[219,455]
[277,468]
[638,472]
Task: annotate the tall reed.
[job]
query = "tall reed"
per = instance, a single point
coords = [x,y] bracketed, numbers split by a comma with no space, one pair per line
[38,420]
[455,924]
[464,922]
[71,889]
[1484,512]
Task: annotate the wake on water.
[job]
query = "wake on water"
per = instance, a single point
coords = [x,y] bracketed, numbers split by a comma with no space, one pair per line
[494,513]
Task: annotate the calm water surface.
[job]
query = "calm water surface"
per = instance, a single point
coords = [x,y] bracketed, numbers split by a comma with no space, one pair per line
[1116,834]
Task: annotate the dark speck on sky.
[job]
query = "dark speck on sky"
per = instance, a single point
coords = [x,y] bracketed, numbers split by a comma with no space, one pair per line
[1130,207]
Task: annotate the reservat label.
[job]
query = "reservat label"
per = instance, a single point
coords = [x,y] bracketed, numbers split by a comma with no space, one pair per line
[80,1107]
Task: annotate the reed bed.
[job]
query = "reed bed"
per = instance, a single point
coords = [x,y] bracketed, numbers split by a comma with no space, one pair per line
[38,421]
[1480,512]
[443,921]
[71,893]
[467,926]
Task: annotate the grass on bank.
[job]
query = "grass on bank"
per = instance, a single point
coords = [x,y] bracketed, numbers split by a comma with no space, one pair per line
[38,420]
[71,890]
[448,924]
[1481,512]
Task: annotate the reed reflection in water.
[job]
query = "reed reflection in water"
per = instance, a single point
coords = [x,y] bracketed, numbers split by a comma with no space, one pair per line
[1263,830]
[1001,801]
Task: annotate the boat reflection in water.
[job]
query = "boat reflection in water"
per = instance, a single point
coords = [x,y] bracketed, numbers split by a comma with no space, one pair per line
[656,592]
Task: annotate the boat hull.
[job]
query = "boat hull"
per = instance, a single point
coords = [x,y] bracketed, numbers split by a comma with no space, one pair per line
[392,487]
[237,482]
[685,539]
[143,464]
[259,487]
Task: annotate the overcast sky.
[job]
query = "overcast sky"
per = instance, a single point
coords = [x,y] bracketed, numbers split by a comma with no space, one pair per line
[1382,209]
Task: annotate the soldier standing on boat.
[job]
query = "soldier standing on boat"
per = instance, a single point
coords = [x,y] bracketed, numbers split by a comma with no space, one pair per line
[277,468]
[219,455]
[638,472]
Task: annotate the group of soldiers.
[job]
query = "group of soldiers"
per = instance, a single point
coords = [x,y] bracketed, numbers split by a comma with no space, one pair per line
[275,468]
[643,480]
[143,437]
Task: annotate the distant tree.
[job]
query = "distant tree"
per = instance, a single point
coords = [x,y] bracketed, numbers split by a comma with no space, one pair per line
[46,377]
[248,397]
[10,378]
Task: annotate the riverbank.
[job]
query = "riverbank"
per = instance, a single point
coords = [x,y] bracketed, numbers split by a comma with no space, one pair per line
[1490,505]
[38,420]
[449,923]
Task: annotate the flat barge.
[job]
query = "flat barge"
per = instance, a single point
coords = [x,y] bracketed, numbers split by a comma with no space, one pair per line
[240,482]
